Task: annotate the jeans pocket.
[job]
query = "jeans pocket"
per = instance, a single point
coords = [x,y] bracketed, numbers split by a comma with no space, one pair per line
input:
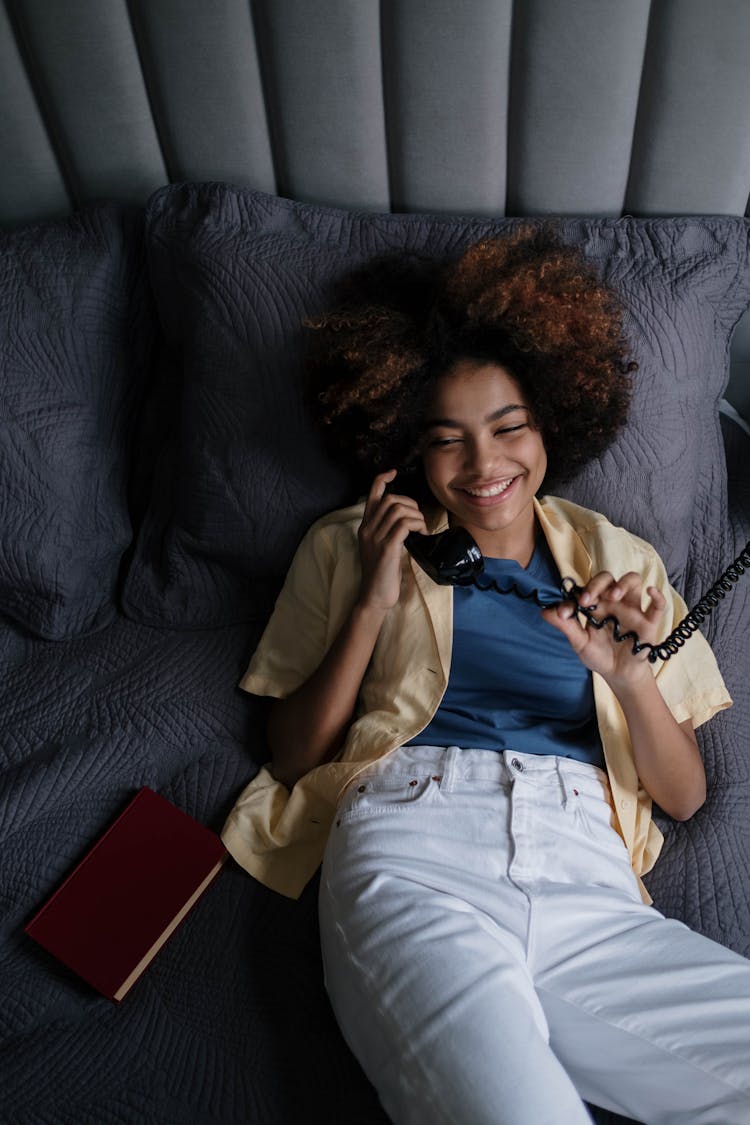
[377,794]
[594,816]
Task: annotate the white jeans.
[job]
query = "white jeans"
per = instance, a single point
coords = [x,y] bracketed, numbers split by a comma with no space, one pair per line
[490,961]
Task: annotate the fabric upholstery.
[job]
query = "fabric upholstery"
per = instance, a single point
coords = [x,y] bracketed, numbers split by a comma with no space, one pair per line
[401,105]
[76,328]
[32,184]
[235,272]
[107,145]
[691,147]
[581,107]
[575,90]
[202,71]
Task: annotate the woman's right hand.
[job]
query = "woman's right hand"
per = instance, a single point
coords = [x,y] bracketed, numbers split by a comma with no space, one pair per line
[387,521]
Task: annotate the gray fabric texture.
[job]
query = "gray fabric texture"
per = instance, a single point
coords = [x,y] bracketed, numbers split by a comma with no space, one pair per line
[202,73]
[574,90]
[231,1022]
[106,143]
[76,329]
[691,149]
[235,273]
[573,107]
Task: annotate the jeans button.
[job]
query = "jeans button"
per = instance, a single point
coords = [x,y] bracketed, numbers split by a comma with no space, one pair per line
[517,765]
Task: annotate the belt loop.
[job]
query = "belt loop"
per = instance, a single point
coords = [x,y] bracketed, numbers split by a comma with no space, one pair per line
[448,768]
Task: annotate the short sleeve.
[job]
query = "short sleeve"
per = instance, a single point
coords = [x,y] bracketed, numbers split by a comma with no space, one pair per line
[318,591]
[690,681]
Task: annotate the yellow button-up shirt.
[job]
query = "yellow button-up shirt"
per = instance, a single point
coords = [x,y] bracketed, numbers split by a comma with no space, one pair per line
[279,836]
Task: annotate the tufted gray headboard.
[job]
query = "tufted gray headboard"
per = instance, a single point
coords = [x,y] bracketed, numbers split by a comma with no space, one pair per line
[486,107]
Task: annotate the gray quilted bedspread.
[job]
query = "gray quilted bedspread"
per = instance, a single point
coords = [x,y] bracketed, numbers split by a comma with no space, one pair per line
[230,1022]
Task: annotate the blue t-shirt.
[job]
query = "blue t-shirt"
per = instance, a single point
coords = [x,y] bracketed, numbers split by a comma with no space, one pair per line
[515,683]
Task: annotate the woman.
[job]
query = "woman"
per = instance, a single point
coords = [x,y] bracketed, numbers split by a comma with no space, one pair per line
[490,952]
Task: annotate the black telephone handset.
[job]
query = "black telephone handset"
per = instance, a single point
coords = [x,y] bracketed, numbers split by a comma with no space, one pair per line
[452,558]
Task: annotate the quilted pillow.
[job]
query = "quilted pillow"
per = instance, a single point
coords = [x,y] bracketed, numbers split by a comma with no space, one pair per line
[76,326]
[235,272]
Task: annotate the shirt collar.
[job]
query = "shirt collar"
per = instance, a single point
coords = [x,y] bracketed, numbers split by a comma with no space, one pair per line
[570,555]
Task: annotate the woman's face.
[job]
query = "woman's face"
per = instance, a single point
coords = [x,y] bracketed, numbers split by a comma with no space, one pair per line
[482,458]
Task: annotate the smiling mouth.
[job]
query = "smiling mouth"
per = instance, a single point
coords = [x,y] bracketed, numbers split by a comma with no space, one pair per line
[492,489]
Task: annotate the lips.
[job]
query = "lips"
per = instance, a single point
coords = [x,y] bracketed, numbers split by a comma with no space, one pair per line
[487,490]
[492,494]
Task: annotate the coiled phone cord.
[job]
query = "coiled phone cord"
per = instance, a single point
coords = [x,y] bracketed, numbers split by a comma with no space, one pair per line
[673,643]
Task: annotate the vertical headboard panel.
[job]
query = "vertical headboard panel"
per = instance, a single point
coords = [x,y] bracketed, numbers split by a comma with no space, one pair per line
[31,185]
[83,64]
[446,73]
[575,81]
[692,145]
[488,106]
[202,73]
[322,71]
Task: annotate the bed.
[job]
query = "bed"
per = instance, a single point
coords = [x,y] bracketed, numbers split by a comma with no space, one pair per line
[182,183]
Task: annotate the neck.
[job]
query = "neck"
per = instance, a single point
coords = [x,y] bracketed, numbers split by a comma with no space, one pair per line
[506,543]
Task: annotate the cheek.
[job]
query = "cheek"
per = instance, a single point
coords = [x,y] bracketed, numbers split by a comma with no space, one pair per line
[431,467]
[433,482]
[441,466]
[537,456]
[437,476]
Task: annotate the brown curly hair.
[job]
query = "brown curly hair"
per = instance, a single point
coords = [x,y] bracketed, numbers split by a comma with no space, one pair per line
[526,301]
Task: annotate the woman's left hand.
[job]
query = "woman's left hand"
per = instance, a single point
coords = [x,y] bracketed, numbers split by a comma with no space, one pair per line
[596,648]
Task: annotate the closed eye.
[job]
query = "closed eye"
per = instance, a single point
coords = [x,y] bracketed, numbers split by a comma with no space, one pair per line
[512,429]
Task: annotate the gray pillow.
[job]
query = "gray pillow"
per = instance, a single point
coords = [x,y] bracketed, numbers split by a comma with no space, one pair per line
[76,329]
[235,272]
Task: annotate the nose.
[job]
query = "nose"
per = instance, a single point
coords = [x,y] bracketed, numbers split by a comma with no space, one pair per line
[482,458]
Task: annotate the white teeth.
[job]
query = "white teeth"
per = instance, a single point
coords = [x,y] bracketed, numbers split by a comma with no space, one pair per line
[494,491]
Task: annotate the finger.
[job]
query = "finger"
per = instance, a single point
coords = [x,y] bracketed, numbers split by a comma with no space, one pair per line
[596,587]
[628,588]
[397,515]
[377,491]
[564,618]
[658,604]
[390,508]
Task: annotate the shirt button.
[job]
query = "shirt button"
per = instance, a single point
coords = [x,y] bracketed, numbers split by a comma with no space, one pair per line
[624,804]
[517,765]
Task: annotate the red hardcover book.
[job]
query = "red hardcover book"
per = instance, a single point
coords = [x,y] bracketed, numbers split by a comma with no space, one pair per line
[129,893]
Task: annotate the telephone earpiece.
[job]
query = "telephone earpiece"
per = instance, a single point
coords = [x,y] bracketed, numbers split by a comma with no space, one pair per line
[451,558]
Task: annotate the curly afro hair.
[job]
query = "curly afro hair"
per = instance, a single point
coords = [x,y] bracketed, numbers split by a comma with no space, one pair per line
[526,301]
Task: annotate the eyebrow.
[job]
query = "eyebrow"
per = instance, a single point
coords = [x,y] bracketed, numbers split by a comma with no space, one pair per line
[493,417]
